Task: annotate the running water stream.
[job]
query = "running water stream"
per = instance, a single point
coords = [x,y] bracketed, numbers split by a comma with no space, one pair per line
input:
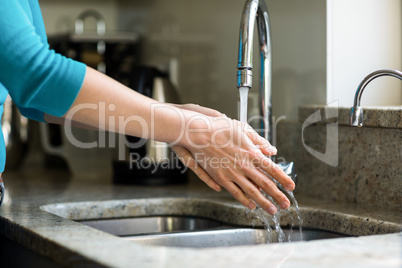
[262,215]
[243,92]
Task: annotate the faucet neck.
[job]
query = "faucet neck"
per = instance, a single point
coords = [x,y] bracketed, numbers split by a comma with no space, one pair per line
[371,77]
[256,11]
[356,113]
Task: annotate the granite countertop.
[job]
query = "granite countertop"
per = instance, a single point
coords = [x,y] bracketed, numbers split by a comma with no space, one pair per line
[373,116]
[74,245]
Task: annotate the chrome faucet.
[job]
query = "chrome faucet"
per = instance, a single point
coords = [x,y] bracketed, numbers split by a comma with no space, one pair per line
[256,9]
[356,113]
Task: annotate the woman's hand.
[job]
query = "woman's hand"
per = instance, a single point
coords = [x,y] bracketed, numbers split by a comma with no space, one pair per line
[226,153]
[185,155]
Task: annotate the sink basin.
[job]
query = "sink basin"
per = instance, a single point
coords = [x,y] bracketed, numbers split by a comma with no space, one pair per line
[229,237]
[152,225]
[175,231]
[192,222]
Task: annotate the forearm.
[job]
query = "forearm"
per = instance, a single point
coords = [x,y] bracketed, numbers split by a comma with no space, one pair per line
[61,121]
[105,103]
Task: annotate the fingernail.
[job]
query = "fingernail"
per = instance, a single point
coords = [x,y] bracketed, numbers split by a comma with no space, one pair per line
[285,204]
[251,206]
[272,210]
[273,149]
[290,186]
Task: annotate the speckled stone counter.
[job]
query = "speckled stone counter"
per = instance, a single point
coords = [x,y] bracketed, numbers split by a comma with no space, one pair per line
[379,117]
[40,205]
[338,162]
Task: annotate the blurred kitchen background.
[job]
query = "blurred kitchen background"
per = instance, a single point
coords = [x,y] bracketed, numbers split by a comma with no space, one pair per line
[321,49]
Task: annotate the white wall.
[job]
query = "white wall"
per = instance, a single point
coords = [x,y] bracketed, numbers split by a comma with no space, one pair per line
[363,36]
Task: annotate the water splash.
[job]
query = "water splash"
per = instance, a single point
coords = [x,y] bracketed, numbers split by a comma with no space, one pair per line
[258,212]
[296,206]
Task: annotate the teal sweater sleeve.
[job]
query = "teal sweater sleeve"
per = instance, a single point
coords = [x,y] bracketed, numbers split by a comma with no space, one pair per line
[37,79]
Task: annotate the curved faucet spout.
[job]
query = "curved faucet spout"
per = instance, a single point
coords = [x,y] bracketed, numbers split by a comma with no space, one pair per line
[256,11]
[356,114]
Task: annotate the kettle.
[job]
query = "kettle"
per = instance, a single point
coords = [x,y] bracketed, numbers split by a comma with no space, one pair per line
[153,163]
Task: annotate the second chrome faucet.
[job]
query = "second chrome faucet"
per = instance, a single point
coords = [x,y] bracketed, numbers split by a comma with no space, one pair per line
[356,113]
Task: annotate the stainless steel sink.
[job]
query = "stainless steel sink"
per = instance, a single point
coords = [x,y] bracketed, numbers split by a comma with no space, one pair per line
[228,237]
[198,232]
[152,225]
[211,223]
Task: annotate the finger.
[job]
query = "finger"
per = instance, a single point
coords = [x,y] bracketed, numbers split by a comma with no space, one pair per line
[188,160]
[259,160]
[273,170]
[239,195]
[265,147]
[268,186]
[255,194]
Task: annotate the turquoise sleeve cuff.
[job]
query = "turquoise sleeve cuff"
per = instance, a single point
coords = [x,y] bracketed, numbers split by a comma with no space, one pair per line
[32,114]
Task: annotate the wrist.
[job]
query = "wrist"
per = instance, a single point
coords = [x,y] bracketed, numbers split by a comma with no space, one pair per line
[196,131]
